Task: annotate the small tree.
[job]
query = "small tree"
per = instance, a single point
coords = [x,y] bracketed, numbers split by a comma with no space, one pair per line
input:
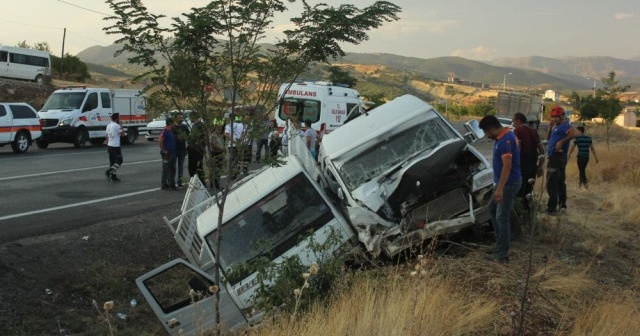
[211,59]
[339,76]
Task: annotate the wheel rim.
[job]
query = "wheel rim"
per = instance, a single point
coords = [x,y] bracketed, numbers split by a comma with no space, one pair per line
[23,143]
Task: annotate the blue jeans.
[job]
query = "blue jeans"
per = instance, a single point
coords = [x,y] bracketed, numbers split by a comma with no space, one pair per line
[168,170]
[500,214]
[181,154]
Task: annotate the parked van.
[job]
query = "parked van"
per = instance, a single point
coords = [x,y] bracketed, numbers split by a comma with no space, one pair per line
[325,104]
[27,64]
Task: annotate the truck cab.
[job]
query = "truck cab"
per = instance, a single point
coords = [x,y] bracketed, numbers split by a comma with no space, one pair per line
[403,174]
[269,214]
[80,114]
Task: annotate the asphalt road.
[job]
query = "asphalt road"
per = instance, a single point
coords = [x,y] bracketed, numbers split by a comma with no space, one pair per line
[62,188]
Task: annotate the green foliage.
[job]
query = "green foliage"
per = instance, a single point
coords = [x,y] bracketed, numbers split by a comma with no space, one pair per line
[69,68]
[339,76]
[279,281]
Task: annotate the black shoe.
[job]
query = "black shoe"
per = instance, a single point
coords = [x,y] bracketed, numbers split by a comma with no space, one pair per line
[108,173]
[551,212]
[165,187]
[491,250]
[497,258]
[563,208]
[115,178]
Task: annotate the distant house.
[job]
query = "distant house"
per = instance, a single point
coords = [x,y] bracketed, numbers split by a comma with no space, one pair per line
[550,94]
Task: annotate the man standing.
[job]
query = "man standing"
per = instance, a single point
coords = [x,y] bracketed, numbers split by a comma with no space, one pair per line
[531,154]
[559,135]
[233,132]
[310,137]
[114,132]
[263,142]
[167,143]
[584,144]
[181,131]
[507,181]
[197,145]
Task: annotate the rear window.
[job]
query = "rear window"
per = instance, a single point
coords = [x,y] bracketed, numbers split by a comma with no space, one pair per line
[22,112]
[3,111]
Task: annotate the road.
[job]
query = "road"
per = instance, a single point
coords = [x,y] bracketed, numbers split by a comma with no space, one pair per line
[62,188]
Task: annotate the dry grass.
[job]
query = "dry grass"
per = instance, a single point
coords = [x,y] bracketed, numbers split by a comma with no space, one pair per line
[584,276]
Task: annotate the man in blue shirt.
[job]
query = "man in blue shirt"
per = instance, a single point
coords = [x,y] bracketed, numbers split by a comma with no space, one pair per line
[507,180]
[559,135]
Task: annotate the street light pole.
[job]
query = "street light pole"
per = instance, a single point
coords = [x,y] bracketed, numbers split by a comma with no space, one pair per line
[504,81]
[594,86]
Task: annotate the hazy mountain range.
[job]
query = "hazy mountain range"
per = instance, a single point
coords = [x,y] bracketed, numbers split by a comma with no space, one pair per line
[575,73]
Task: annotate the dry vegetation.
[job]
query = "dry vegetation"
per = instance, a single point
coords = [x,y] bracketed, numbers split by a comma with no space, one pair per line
[584,272]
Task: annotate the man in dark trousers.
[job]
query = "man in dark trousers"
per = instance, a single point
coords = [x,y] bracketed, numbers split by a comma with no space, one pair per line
[559,135]
[507,181]
[114,132]
[167,143]
[197,145]
[531,154]
[181,131]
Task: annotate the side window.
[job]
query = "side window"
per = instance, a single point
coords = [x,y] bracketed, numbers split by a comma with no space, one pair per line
[3,111]
[3,56]
[106,99]
[22,112]
[92,102]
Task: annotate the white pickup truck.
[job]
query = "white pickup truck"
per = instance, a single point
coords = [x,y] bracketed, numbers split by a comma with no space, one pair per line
[80,114]
[387,180]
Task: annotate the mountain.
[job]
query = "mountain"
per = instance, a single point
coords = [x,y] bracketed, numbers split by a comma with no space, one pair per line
[525,72]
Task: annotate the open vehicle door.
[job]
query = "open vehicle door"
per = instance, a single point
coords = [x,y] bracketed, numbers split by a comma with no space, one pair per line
[180,296]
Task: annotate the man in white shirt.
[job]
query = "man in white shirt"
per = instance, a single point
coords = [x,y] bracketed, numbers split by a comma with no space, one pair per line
[233,132]
[114,132]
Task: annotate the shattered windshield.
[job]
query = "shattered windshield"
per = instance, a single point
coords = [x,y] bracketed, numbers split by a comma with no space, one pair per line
[64,101]
[390,151]
[272,225]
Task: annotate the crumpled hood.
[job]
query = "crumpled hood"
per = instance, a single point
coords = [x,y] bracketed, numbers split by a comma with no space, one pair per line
[431,173]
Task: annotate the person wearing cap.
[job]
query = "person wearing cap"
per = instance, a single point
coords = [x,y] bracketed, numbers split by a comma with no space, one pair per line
[114,132]
[559,135]
[507,180]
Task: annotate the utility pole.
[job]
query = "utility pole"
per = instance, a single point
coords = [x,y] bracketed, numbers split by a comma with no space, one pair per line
[64,36]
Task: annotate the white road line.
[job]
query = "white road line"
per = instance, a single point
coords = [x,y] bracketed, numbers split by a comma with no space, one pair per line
[77,204]
[68,171]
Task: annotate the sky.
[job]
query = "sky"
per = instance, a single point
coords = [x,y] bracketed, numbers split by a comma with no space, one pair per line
[481,30]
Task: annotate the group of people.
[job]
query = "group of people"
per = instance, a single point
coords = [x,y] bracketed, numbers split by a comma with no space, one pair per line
[308,134]
[518,158]
[179,141]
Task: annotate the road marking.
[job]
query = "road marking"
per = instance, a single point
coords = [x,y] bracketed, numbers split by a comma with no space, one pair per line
[68,171]
[77,204]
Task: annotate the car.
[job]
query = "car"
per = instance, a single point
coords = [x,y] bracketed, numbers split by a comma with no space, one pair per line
[154,128]
[19,126]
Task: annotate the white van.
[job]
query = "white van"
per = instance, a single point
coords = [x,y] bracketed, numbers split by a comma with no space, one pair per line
[325,104]
[27,64]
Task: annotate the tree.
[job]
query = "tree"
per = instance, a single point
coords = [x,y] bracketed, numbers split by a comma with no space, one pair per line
[339,76]
[610,105]
[72,68]
[214,61]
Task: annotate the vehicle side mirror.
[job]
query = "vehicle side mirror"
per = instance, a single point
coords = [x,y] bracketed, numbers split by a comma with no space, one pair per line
[475,132]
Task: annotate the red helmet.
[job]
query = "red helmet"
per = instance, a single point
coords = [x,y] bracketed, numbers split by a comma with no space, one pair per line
[557,111]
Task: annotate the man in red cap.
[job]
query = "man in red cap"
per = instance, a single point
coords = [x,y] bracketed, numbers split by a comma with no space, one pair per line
[559,136]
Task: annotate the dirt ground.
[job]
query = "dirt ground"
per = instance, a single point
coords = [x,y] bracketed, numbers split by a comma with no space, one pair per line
[49,283]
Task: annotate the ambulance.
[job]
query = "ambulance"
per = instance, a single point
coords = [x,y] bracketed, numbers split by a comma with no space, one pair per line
[325,104]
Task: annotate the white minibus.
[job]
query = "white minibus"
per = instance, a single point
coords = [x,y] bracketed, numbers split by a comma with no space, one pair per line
[27,64]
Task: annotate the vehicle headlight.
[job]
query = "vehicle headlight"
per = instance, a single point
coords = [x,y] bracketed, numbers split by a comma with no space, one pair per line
[65,122]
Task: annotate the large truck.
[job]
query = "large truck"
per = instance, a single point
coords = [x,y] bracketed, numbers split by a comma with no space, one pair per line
[388,180]
[509,103]
[79,114]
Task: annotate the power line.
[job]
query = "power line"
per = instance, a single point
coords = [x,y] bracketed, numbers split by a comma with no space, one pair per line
[84,8]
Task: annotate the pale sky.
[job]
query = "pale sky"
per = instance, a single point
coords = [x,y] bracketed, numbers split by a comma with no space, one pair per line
[475,29]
